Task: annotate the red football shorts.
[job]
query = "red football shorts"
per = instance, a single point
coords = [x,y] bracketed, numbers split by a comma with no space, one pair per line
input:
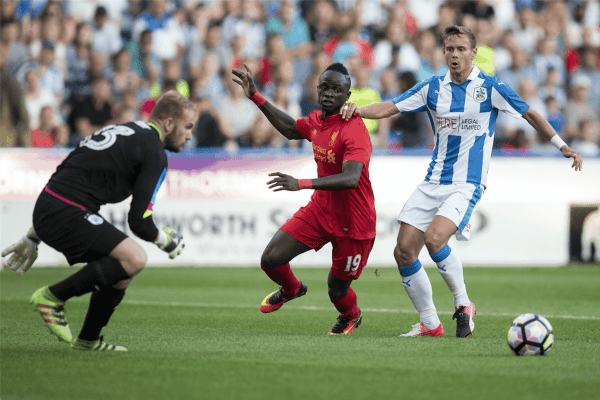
[349,256]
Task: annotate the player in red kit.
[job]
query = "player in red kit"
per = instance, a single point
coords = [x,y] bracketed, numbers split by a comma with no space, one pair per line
[342,208]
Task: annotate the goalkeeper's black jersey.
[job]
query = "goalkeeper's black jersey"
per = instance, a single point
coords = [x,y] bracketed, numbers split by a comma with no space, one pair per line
[112,164]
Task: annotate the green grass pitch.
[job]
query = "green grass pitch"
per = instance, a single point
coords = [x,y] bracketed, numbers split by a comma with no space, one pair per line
[197,333]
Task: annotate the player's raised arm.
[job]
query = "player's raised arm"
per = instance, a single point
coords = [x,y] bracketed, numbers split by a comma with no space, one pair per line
[284,123]
[540,124]
[348,179]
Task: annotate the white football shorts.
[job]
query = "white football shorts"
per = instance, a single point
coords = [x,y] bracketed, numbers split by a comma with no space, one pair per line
[455,202]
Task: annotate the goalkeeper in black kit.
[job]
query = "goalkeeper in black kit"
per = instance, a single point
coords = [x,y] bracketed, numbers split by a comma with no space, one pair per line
[106,167]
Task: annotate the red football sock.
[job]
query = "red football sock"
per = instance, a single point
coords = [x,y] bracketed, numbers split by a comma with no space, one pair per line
[284,277]
[347,305]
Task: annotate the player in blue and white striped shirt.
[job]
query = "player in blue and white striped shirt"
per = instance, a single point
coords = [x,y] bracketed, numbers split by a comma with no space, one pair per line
[462,107]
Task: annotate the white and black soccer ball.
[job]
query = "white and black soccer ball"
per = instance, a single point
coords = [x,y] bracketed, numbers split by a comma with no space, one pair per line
[530,334]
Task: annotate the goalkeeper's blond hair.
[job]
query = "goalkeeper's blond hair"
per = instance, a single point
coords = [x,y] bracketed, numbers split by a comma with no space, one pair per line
[170,104]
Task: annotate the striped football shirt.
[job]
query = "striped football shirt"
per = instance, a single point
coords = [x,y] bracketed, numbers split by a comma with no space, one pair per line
[463,118]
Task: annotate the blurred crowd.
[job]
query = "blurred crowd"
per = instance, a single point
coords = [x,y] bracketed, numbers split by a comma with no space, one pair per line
[70,67]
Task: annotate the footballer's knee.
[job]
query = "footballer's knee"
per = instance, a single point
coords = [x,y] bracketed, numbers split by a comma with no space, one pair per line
[131,255]
[404,256]
[434,241]
[138,260]
[336,293]
[269,259]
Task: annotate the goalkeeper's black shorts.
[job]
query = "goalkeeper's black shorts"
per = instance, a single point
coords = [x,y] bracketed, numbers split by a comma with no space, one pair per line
[80,234]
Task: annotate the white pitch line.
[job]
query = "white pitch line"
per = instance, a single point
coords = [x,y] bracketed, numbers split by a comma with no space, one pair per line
[315,308]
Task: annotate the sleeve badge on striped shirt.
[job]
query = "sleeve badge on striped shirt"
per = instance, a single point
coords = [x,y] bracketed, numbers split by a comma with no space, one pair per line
[480,94]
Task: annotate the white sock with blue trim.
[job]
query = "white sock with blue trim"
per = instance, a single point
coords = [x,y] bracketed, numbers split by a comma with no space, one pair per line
[418,287]
[451,269]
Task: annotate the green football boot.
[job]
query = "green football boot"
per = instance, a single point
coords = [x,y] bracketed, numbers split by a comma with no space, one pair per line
[96,345]
[52,312]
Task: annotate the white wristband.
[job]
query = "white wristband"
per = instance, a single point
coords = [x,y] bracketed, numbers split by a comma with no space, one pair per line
[557,142]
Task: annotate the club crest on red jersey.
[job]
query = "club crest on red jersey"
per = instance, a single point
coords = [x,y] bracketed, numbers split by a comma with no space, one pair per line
[333,137]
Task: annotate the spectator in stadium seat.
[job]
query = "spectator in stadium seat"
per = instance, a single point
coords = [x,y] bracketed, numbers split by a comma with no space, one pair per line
[527,30]
[555,115]
[100,67]
[519,69]
[547,57]
[17,53]
[480,9]
[48,134]
[49,33]
[92,113]
[551,88]
[363,94]
[276,53]
[573,58]
[269,136]
[284,75]
[14,120]
[511,126]
[296,37]
[246,24]
[147,64]
[123,78]
[78,63]
[106,37]
[412,129]
[27,9]
[128,17]
[347,40]
[36,98]
[447,15]
[589,69]
[406,58]
[167,35]
[578,109]
[587,140]
[578,28]
[207,132]
[238,116]
[67,29]
[320,20]
[503,50]
[388,89]
[211,47]
[51,78]
[432,64]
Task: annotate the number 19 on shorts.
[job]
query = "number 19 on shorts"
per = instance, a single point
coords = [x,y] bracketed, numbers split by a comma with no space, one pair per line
[353,263]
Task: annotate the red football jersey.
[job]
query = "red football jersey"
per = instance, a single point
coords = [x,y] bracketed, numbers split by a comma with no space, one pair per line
[351,212]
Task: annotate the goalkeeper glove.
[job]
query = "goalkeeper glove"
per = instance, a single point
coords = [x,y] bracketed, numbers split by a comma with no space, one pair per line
[170,242]
[24,253]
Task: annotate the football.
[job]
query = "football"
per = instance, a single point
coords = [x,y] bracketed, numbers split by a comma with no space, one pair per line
[530,334]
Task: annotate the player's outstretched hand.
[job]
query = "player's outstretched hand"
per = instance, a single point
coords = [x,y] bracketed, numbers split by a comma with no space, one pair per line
[24,253]
[568,152]
[170,242]
[349,110]
[244,79]
[283,182]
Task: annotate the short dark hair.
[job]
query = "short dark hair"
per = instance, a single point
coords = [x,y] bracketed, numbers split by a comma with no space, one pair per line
[339,67]
[455,30]
[170,104]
